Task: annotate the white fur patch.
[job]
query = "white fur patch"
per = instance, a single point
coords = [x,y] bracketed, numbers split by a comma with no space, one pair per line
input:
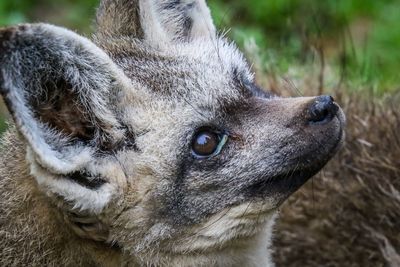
[240,236]
[81,198]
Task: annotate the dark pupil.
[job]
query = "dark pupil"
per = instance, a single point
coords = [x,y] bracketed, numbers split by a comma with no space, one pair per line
[205,143]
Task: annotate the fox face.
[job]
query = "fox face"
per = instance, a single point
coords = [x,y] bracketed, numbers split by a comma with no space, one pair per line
[154,137]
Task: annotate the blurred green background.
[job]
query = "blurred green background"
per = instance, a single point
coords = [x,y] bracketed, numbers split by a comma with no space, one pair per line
[356,42]
[360,36]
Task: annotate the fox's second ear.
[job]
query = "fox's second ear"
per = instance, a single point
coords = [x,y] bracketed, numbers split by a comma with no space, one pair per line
[157,22]
[59,88]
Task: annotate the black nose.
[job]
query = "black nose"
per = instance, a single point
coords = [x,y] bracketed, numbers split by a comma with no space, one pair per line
[322,110]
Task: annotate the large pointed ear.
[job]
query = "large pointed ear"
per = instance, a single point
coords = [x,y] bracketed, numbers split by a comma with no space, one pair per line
[59,88]
[158,22]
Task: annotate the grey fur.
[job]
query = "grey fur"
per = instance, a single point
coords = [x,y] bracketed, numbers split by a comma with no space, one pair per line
[140,98]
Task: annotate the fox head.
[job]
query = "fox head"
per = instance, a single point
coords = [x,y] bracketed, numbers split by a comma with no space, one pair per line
[154,136]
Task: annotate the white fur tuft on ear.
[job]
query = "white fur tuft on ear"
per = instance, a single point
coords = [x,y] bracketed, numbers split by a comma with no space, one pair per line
[81,198]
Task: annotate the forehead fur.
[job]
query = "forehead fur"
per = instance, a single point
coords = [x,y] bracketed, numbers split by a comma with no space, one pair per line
[201,71]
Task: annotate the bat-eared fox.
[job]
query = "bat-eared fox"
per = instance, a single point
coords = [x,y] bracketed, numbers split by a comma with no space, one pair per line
[148,145]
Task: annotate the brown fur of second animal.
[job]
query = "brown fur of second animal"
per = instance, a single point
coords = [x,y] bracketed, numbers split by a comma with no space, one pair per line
[150,145]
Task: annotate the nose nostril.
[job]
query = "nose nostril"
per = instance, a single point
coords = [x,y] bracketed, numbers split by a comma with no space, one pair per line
[322,110]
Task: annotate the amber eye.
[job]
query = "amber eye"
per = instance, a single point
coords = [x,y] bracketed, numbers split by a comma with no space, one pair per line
[208,143]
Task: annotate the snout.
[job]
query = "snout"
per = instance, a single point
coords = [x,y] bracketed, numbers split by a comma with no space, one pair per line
[300,136]
[322,110]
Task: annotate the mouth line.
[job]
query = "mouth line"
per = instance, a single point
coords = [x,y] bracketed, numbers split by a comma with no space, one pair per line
[282,184]
[286,183]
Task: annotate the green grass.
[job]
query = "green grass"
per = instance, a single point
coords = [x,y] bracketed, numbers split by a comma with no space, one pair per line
[361,38]
[74,14]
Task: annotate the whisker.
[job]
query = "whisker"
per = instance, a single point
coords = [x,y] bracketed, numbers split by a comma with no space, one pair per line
[292,86]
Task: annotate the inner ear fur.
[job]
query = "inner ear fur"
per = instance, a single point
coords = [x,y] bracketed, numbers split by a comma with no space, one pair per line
[58,106]
[59,88]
